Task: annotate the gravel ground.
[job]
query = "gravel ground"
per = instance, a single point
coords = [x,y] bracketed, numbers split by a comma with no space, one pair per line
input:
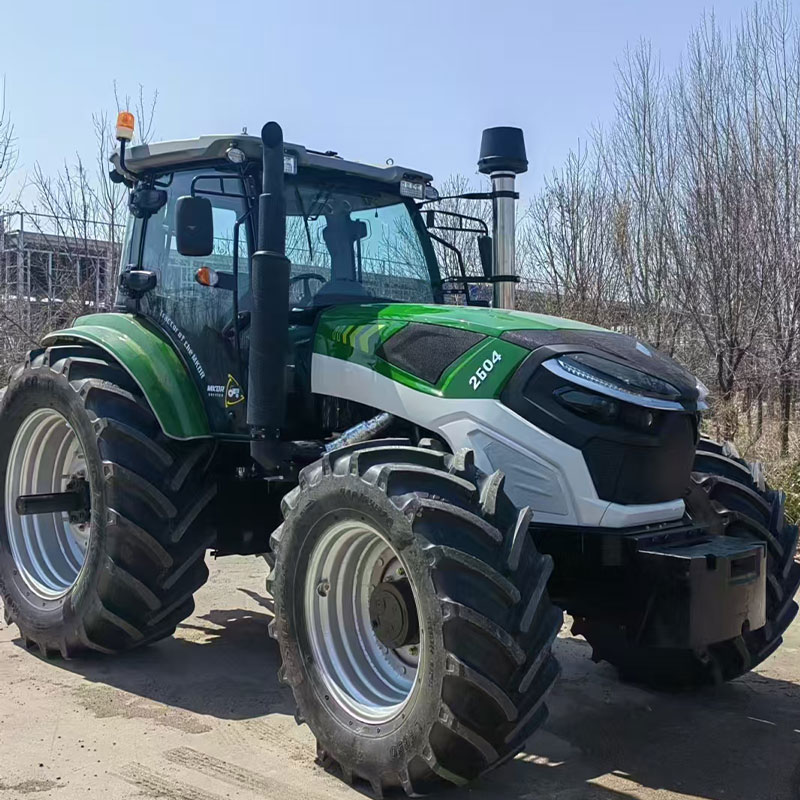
[202,717]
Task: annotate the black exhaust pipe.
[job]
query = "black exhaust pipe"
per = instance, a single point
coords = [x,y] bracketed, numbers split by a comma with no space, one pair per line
[269,320]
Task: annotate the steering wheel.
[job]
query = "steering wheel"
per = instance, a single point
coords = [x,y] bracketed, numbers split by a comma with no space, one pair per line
[306,278]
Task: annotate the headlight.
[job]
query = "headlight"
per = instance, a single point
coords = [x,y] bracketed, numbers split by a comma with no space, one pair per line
[235,155]
[616,380]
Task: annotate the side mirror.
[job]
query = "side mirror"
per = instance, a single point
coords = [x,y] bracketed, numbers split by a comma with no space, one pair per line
[485,251]
[194,226]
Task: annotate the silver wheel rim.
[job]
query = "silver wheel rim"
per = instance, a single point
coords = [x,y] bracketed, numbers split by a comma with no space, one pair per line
[48,550]
[370,681]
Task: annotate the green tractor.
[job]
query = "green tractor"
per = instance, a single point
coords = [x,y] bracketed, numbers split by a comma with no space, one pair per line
[432,476]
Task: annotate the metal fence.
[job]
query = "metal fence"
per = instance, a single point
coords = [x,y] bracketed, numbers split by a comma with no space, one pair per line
[50,259]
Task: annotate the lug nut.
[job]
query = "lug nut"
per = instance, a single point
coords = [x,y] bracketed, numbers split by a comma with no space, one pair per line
[323,587]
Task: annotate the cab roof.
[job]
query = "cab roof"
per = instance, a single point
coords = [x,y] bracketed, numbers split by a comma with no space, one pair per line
[156,156]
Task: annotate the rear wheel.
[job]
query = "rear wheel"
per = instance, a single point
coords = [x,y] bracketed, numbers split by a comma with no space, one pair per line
[730,495]
[412,615]
[102,543]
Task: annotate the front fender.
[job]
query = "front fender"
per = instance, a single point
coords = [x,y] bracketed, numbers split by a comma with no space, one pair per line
[152,362]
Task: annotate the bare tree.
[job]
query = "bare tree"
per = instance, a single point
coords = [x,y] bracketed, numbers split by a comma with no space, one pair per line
[567,242]
[66,251]
[768,53]
[81,212]
[720,271]
[639,158]
[680,223]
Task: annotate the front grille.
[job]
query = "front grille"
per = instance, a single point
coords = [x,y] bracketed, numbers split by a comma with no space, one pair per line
[628,464]
[636,474]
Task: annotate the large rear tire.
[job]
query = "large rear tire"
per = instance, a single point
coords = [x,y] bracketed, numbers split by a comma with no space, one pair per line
[731,496]
[412,616]
[122,574]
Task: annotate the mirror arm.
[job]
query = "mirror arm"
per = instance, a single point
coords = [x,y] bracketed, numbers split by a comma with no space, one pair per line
[142,235]
[465,196]
[459,256]
[460,259]
[145,215]
[483,226]
[208,192]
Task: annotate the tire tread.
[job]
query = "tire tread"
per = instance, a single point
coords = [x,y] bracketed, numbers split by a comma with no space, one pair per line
[475,538]
[154,488]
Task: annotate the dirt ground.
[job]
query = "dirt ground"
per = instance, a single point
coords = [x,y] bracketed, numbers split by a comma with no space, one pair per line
[202,717]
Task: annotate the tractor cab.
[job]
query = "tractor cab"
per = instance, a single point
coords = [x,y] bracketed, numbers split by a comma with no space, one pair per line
[354,234]
[353,231]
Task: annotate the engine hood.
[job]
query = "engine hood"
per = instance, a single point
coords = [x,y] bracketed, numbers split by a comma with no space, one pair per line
[463,351]
[485,321]
[611,346]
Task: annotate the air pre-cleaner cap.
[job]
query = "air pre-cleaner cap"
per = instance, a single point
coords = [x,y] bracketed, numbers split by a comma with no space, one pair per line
[503,150]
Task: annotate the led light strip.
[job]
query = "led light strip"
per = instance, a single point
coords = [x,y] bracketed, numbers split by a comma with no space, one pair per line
[589,381]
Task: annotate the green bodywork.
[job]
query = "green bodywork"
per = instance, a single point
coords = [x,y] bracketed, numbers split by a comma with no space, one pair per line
[355,333]
[152,362]
[351,332]
[489,321]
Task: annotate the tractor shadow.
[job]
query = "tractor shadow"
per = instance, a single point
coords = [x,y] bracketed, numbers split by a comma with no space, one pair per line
[604,740]
[222,663]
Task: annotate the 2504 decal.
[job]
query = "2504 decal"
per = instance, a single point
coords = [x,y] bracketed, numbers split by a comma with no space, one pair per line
[480,374]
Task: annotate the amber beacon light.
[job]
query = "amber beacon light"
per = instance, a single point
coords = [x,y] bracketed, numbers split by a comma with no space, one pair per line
[125,126]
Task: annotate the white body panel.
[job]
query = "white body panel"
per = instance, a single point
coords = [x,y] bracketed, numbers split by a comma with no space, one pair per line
[541,471]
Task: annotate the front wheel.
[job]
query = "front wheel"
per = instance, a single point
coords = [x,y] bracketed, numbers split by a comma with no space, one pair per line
[412,616]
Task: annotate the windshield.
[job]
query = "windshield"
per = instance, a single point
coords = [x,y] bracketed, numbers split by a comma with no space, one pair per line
[349,246]
[344,245]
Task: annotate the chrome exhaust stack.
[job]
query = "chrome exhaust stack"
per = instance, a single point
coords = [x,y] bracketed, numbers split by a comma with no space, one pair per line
[502,158]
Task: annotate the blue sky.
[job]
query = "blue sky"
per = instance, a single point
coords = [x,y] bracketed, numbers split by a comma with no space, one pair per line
[415,81]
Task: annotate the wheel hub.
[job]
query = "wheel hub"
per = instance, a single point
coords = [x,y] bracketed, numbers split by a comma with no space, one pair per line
[47,504]
[362,624]
[80,486]
[394,614]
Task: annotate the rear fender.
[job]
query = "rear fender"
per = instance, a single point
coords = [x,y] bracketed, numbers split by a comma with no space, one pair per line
[152,362]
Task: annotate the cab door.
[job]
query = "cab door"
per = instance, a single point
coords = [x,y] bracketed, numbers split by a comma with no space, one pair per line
[199,319]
